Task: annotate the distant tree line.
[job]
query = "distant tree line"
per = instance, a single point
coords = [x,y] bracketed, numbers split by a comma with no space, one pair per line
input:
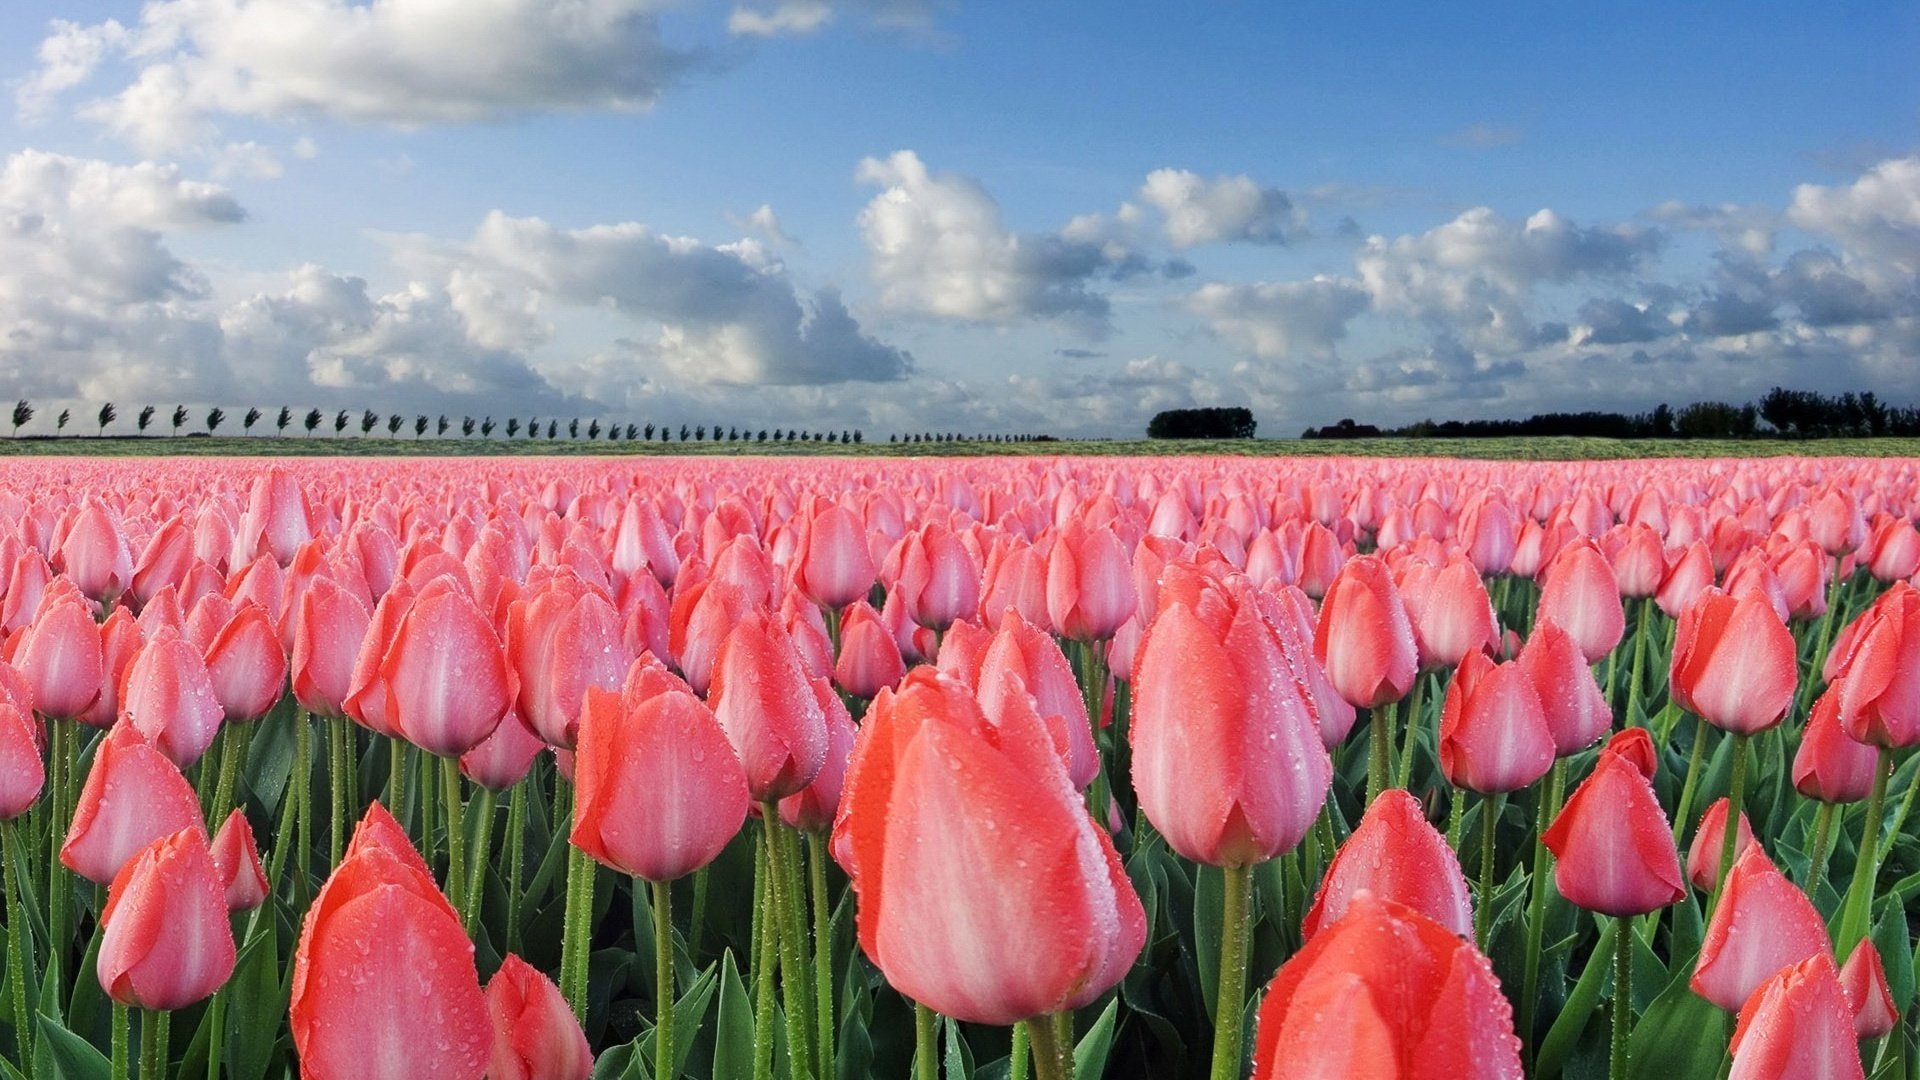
[950,437]
[1217,423]
[1781,413]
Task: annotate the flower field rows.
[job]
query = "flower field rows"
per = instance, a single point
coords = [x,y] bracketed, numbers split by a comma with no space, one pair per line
[992,768]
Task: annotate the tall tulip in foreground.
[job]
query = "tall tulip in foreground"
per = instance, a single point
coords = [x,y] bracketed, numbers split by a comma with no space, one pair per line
[1227,761]
[986,892]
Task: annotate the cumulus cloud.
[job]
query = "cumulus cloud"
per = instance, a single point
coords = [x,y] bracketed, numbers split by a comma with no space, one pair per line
[1292,320]
[1877,215]
[793,18]
[937,247]
[1199,210]
[399,62]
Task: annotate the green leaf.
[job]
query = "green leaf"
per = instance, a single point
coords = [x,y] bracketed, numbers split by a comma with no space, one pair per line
[256,1009]
[733,1041]
[69,1056]
[1209,907]
[1580,1007]
[1680,1034]
[690,1013]
[958,1064]
[1891,938]
[1090,1056]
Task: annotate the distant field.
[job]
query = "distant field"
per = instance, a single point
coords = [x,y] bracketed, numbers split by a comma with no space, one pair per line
[1546,449]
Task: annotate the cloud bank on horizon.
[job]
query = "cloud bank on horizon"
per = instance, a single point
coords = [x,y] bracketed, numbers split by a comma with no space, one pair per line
[495,209]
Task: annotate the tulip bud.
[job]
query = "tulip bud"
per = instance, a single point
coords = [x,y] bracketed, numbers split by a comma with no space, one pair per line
[133,796]
[166,942]
[1732,965]
[243,882]
[535,1034]
[1796,1024]
[1397,855]
[1612,843]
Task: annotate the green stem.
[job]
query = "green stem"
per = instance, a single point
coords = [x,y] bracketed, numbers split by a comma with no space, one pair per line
[1537,903]
[1052,1054]
[516,856]
[483,799]
[1456,816]
[1730,836]
[58,782]
[793,982]
[763,963]
[700,878]
[303,802]
[282,842]
[216,1033]
[925,1058]
[16,947]
[1622,996]
[1685,807]
[1822,849]
[1017,1061]
[456,834]
[122,1020]
[577,931]
[1414,725]
[233,756]
[1490,808]
[1231,1004]
[153,1044]
[1635,677]
[1819,658]
[397,786]
[1093,690]
[338,763]
[822,950]
[1380,751]
[1853,920]
[429,800]
[663,1064]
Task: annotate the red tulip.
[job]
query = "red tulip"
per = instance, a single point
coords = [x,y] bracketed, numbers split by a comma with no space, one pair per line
[1571,700]
[384,985]
[563,638]
[1454,616]
[1880,701]
[535,1034]
[367,700]
[445,674]
[1703,858]
[1385,992]
[1364,639]
[1780,926]
[22,776]
[1830,765]
[869,657]
[165,941]
[1836,523]
[1864,979]
[1734,664]
[61,657]
[1395,855]
[243,882]
[132,797]
[1493,730]
[1640,563]
[985,890]
[1688,576]
[1636,746]
[169,696]
[278,515]
[1227,758]
[1041,671]
[1797,1024]
[835,568]
[245,664]
[1582,597]
[1017,581]
[938,579]
[119,642]
[813,808]
[330,624]
[658,792]
[760,695]
[164,561]
[1089,583]
[504,757]
[95,556]
[1613,844]
[1895,551]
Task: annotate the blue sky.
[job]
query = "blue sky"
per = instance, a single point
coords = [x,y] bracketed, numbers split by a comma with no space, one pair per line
[904,215]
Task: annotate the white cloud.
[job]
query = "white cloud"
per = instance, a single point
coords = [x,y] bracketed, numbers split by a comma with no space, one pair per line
[788,19]
[399,62]
[1225,208]
[1877,215]
[1284,320]
[765,224]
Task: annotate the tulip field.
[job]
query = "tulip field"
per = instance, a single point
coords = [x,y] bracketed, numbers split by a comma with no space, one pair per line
[1022,768]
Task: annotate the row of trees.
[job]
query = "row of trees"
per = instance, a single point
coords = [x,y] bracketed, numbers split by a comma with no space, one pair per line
[1780,413]
[396,425]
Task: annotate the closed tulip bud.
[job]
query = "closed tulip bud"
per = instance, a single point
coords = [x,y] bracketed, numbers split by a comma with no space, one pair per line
[535,1034]
[561,640]
[384,985]
[1292,616]
[445,673]
[1703,858]
[1612,843]
[1734,663]
[95,556]
[1364,639]
[869,657]
[164,561]
[1040,671]
[1803,573]
[658,792]
[1836,523]
[245,664]
[1397,855]
[962,649]
[1732,964]
[22,775]
[1017,581]
[367,701]
[243,883]
[1830,765]
[1640,562]
[1493,729]
[1227,758]
[169,696]
[119,643]
[1880,699]
[986,892]
[938,579]
[329,627]
[1688,576]
[277,513]
[165,941]
[504,757]
[813,808]
[1797,1024]
[61,657]
[1582,597]
[1864,979]
[132,797]
[1089,583]
[1571,700]
[1895,551]
[1456,617]
[1636,746]
[1407,996]
[761,696]
[836,568]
